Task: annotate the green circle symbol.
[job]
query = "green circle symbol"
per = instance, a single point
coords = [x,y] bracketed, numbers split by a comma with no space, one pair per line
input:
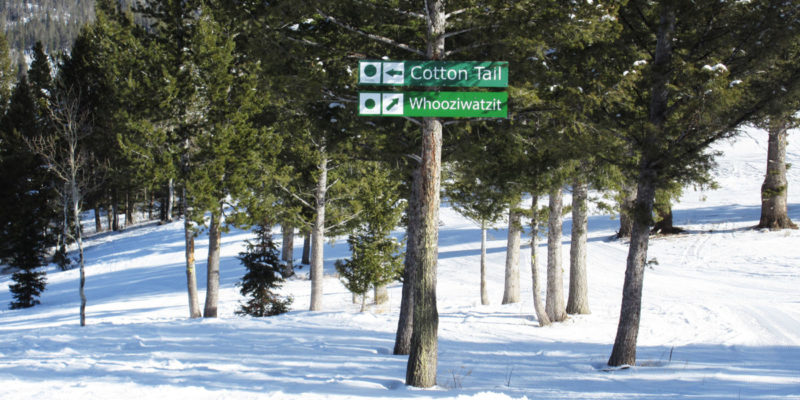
[370,71]
[370,103]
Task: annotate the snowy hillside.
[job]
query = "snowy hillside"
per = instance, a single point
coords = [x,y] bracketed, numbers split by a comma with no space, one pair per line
[721,318]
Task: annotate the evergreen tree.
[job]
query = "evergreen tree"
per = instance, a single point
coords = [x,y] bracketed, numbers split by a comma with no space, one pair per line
[263,277]
[24,199]
[376,258]
[7,74]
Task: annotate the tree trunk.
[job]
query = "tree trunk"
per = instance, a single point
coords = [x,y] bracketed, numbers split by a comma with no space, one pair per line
[287,249]
[150,205]
[511,291]
[774,213]
[76,215]
[578,298]
[664,212]
[170,199]
[115,212]
[212,282]
[422,361]
[130,218]
[98,224]
[554,304]
[484,292]
[306,248]
[381,295]
[405,323]
[318,235]
[624,351]
[538,304]
[191,275]
[110,217]
[627,200]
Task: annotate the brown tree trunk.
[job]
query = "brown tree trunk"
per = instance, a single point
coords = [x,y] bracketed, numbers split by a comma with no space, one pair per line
[774,212]
[405,324]
[318,235]
[511,288]
[212,282]
[287,248]
[423,358]
[170,199]
[306,248]
[191,273]
[130,213]
[624,350]
[578,298]
[538,304]
[109,217]
[554,304]
[627,199]
[98,224]
[115,212]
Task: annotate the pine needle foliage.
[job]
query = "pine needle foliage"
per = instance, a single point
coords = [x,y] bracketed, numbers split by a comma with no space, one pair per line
[263,277]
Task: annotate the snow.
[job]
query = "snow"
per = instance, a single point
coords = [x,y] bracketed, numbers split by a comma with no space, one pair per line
[720,318]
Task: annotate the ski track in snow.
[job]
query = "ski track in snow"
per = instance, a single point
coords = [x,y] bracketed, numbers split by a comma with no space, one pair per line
[720,318]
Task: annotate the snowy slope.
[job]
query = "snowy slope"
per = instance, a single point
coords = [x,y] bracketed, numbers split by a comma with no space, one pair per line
[721,318]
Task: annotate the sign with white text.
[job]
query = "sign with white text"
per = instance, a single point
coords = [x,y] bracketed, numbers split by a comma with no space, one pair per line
[434,104]
[434,73]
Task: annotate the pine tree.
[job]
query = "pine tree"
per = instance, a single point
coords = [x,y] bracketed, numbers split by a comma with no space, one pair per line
[376,258]
[25,196]
[7,74]
[263,277]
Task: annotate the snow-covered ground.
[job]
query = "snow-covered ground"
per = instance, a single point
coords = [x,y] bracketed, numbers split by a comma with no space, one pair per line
[721,318]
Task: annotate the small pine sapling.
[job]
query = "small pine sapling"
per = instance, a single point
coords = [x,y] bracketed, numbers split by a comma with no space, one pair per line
[376,261]
[264,276]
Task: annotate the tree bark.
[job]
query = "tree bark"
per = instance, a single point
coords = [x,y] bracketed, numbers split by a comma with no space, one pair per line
[627,200]
[212,282]
[422,361]
[624,351]
[130,218]
[170,199]
[774,212]
[115,212]
[287,248]
[191,274]
[538,304]
[318,235]
[98,224]
[664,225]
[511,290]
[110,217]
[405,323]
[484,291]
[554,305]
[578,298]
[306,248]
[76,216]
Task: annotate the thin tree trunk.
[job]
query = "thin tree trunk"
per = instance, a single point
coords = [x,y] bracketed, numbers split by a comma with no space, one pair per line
[287,249]
[484,291]
[381,295]
[191,274]
[664,225]
[115,212]
[170,199]
[98,224]
[405,323]
[129,210]
[538,304]
[212,282]
[774,212]
[511,291]
[578,298]
[76,214]
[318,235]
[624,350]
[110,217]
[554,304]
[306,248]
[150,204]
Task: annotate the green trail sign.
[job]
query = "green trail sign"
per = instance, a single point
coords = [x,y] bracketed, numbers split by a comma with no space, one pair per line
[434,104]
[434,73]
